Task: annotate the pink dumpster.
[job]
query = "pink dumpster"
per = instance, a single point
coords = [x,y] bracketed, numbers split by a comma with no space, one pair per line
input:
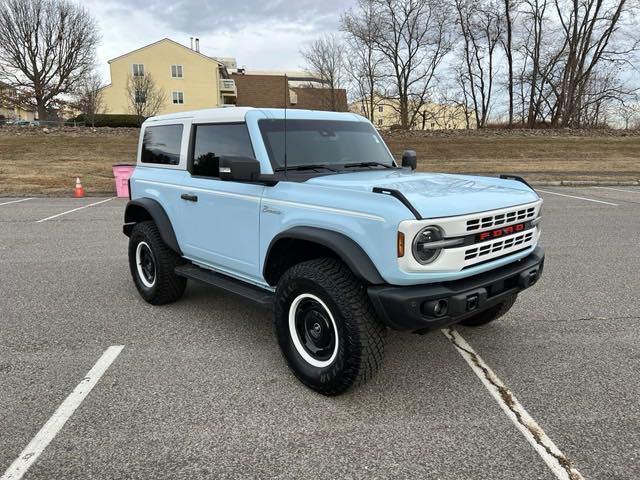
[122,172]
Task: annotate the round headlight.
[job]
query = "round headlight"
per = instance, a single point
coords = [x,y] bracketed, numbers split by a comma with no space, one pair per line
[421,250]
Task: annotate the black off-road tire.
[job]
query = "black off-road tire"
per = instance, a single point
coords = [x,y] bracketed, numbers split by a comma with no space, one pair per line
[360,334]
[167,286]
[490,314]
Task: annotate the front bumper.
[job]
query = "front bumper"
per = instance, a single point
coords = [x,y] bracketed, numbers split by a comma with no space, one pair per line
[412,308]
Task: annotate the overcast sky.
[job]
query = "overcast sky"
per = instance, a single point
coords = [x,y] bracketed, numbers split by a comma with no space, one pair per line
[260,34]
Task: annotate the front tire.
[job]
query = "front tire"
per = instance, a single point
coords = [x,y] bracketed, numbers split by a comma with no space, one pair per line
[326,327]
[152,264]
[490,314]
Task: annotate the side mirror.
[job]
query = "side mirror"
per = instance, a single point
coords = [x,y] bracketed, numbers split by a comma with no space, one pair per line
[409,159]
[239,168]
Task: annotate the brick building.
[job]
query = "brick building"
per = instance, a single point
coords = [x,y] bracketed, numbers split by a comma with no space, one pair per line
[270,91]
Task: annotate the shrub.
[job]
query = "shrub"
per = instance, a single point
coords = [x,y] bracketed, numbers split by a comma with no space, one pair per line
[111,120]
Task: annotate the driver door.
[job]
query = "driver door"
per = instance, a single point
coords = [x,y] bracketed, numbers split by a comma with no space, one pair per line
[220,219]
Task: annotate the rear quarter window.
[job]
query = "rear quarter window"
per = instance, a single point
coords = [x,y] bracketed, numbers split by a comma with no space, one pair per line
[161,145]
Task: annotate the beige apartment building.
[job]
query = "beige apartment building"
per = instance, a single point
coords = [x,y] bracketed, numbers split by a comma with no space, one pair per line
[9,108]
[189,79]
[432,116]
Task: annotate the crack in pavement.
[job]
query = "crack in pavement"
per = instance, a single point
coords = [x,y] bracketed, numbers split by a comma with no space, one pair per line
[513,405]
[625,317]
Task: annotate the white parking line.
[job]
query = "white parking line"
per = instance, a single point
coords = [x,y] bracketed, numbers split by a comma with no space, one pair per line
[579,198]
[50,429]
[619,190]
[74,210]
[557,461]
[16,201]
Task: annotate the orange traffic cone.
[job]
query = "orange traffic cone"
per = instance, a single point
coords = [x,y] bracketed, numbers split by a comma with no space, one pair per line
[78,192]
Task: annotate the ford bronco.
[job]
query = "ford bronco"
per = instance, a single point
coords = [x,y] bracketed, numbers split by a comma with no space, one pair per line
[308,213]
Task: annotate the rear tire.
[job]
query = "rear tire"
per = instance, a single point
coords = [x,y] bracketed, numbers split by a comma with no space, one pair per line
[491,314]
[326,326]
[152,264]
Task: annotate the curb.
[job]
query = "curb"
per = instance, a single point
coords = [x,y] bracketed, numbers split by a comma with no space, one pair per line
[586,183]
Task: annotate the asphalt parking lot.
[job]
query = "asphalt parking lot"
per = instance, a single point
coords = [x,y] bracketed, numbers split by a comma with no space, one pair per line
[200,390]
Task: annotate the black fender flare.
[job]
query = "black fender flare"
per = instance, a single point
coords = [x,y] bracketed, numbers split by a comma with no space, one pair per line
[347,249]
[133,214]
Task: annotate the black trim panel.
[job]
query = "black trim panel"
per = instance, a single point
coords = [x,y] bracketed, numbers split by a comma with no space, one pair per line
[403,307]
[348,250]
[158,215]
[400,196]
[229,284]
[517,178]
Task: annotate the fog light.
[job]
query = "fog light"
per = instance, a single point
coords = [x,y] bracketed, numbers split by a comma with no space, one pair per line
[441,308]
[436,308]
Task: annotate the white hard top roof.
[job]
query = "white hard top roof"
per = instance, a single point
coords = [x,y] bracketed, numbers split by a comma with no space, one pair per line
[238,114]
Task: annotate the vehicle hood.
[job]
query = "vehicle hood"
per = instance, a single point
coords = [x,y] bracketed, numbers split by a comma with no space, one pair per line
[436,195]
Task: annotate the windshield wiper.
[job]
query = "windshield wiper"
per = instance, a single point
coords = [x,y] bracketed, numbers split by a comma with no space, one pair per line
[367,164]
[306,167]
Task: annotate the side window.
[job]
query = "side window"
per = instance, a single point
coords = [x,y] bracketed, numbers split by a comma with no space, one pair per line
[176,71]
[178,98]
[161,144]
[213,141]
[138,70]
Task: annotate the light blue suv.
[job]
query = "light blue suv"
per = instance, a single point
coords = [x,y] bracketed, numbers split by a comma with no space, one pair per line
[307,212]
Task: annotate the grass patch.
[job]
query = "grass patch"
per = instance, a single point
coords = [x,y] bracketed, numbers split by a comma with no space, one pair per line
[537,158]
[48,164]
[38,163]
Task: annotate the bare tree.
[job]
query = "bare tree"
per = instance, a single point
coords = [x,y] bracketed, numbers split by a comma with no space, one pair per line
[566,61]
[365,65]
[480,24]
[89,98]
[629,113]
[573,56]
[535,17]
[603,96]
[507,44]
[145,98]
[413,37]
[46,46]
[589,28]
[325,59]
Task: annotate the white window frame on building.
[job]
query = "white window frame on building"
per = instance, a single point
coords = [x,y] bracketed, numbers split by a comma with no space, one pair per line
[381,108]
[380,122]
[177,97]
[138,69]
[177,71]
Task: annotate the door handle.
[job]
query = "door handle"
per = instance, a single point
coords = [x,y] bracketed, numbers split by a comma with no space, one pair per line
[189,197]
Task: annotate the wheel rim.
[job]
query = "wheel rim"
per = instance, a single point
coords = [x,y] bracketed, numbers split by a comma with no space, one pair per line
[313,330]
[146,265]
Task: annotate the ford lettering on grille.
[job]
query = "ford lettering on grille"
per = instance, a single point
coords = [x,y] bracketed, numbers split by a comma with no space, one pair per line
[500,232]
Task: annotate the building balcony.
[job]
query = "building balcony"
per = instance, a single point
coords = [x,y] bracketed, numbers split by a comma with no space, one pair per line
[228,87]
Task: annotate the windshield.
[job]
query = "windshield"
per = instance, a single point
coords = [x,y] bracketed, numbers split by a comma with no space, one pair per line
[318,143]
